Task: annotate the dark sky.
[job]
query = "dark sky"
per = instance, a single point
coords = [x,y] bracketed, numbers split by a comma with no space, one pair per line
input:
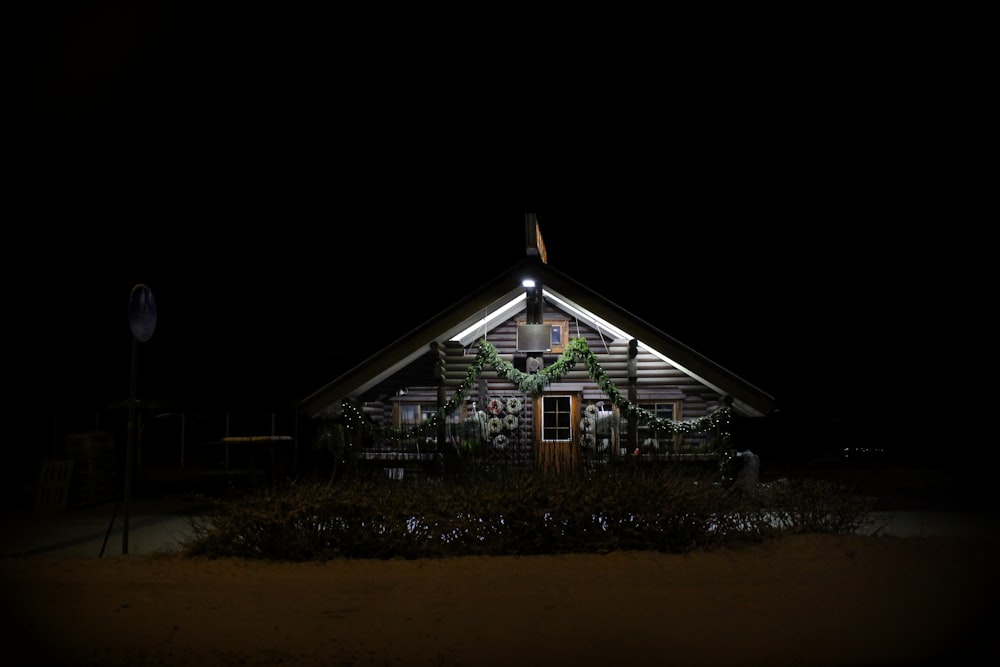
[263,315]
[282,195]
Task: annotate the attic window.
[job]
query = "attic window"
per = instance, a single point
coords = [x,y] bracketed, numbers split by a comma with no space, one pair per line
[557,336]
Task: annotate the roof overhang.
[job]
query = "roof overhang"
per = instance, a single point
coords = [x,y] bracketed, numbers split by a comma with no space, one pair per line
[473,318]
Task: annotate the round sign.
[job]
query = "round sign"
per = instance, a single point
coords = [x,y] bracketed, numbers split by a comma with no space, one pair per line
[142,313]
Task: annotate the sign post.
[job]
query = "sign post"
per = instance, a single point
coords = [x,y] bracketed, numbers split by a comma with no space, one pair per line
[142,321]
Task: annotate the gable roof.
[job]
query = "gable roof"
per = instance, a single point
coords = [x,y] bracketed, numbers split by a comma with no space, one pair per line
[473,317]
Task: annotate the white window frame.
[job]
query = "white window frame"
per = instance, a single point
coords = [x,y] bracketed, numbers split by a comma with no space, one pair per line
[556,413]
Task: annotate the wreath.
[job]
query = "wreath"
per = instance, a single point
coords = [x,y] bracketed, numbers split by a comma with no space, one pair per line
[494,425]
[494,406]
[587,424]
[500,442]
[591,410]
[510,422]
[588,440]
[513,405]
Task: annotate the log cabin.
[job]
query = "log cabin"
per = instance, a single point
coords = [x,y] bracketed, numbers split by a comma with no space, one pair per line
[535,371]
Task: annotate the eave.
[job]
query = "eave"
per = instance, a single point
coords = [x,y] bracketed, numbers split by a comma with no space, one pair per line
[473,317]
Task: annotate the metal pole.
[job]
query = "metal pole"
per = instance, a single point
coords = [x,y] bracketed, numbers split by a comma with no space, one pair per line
[130,447]
[183,428]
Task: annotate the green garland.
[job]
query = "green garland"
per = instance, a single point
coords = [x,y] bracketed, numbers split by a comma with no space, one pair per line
[535,383]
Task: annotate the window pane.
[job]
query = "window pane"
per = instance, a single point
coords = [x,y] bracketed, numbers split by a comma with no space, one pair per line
[408,413]
[658,410]
[557,418]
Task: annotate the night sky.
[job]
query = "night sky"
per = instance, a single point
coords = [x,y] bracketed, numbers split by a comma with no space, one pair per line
[283,196]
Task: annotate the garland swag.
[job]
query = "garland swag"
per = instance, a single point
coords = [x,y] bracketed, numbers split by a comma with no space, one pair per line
[535,383]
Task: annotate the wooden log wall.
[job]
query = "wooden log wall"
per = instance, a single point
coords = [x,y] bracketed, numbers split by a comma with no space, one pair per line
[448,364]
[656,379]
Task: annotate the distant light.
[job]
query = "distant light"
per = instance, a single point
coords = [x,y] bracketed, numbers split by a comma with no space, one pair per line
[527,282]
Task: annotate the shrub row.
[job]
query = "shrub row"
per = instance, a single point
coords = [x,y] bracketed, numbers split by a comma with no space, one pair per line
[519,513]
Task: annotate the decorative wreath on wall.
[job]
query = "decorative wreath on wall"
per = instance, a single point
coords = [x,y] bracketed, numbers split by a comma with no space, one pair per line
[494,425]
[513,405]
[494,406]
[501,441]
[510,422]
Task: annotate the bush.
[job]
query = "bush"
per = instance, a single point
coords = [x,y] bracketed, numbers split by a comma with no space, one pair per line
[517,513]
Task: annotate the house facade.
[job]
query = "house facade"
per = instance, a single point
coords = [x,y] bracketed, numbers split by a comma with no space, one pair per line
[534,370]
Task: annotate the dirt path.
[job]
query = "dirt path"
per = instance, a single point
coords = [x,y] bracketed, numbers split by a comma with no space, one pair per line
[806,600]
